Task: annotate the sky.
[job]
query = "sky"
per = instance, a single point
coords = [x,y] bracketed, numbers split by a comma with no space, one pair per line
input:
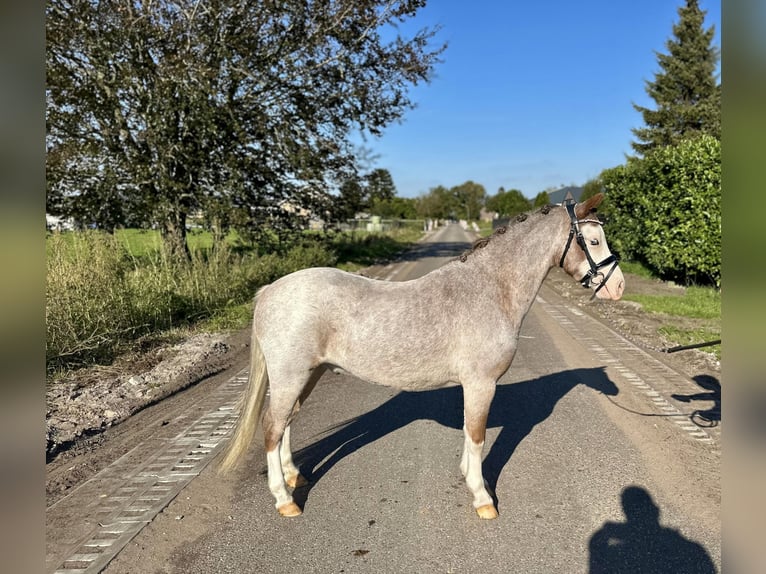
[531,95]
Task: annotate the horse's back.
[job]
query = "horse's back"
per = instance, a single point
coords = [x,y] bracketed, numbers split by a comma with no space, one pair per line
[369,327]
[310,287]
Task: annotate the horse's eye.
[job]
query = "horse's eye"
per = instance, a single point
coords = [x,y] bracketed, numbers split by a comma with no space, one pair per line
[594,241]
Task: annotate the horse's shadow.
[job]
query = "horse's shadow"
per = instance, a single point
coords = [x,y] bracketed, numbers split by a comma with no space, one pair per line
[516,409]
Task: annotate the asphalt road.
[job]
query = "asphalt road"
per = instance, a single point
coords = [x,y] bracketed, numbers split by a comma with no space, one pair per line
[592,471]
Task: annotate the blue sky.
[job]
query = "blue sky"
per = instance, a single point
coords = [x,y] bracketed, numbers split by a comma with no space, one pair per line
[531,94]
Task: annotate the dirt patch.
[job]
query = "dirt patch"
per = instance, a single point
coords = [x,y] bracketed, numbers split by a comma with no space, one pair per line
[90,413]
[94,399]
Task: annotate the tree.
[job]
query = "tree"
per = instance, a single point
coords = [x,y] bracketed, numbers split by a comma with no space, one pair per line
[394,208]
[171,106]
[380,185]
[591,188]
[686,91]
[541,199]
[508,203]
[352,199]
[438,203]
[664,210]
[469,198]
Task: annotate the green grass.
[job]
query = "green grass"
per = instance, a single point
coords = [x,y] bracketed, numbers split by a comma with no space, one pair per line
[695,302]
[635,269]
[360,249]
[485,228]
[142,243]
[693,336]
[699,307]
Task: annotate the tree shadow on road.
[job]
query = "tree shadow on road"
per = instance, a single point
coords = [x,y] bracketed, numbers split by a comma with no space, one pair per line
[517,408]
[642,544]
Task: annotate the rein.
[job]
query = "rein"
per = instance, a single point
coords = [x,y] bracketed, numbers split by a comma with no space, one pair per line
[574,232]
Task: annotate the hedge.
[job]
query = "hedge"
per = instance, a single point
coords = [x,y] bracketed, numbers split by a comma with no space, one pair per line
[664,210]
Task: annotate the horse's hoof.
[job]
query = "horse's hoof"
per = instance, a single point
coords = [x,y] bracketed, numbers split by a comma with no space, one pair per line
[296,481]
[290,509]
[487,512]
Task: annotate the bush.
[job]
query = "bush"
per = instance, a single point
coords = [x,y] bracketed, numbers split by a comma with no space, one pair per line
[664,211]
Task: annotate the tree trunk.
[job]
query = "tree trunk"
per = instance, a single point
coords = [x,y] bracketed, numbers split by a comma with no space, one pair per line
[174,237]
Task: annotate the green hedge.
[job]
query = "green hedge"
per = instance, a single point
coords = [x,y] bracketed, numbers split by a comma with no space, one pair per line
[664,210]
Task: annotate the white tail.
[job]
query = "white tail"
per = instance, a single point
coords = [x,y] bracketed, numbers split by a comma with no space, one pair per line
[250,413]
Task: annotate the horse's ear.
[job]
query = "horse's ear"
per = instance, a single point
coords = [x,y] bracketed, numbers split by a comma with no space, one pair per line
[583,209]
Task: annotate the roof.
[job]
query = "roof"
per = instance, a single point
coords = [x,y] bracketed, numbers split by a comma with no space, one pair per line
[560,195]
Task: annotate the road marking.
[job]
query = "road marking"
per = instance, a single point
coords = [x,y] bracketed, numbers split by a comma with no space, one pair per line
[145,490]
[650,376]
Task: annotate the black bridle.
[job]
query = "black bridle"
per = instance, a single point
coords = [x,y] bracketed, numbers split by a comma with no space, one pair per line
[574,232]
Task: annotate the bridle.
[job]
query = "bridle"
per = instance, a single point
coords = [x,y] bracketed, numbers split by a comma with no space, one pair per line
[574,232]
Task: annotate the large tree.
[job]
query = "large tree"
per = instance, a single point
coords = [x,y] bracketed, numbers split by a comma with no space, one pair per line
[156,110]
[686,90]
[470,198]
[438,203]
[380,185]
[363,193]
[508,203]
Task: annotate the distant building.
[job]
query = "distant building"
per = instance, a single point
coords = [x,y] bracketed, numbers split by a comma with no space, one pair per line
[561,195]
[485,215]
[56,223]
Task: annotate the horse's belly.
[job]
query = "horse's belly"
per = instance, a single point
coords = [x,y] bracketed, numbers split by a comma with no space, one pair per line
[407,372]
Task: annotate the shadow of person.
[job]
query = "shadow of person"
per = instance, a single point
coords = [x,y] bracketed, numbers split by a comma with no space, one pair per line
[708,417]
[516,409]
[641,544]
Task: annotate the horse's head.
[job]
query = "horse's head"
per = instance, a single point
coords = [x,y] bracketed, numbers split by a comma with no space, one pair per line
[586,256]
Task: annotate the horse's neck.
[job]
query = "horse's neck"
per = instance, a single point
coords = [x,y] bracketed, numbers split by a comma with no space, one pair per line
[518,261]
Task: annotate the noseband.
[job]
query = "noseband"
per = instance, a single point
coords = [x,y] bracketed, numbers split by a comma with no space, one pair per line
[574,231]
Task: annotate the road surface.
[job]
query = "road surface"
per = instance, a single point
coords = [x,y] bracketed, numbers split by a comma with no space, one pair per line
[594,464]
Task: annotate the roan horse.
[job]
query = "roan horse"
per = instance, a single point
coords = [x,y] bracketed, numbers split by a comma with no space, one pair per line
[457,324]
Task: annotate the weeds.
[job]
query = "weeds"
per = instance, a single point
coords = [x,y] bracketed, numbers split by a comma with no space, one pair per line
[101,296]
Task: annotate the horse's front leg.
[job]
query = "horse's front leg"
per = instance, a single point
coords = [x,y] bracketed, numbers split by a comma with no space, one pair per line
[477,399]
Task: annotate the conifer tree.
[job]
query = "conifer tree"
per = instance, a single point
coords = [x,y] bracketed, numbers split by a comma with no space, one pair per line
[686,90]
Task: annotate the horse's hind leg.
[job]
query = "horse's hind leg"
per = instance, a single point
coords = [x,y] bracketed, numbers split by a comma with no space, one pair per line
[284,403]
[477,399]
[293,477]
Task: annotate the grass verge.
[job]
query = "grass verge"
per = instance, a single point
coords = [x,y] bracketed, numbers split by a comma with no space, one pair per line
[691,316]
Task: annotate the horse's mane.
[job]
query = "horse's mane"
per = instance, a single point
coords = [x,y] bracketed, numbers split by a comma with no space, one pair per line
[484,241]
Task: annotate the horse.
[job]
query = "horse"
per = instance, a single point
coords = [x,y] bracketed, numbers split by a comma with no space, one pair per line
[458,324]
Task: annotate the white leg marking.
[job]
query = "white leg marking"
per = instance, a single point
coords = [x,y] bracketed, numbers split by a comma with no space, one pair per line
[289,470]
[473,476]
[464,457]
[276,479]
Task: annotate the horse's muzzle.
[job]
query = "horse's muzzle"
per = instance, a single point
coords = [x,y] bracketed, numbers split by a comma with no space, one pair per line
[614,287]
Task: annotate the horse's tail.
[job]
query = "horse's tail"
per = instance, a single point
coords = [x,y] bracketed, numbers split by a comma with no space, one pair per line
[250,408]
